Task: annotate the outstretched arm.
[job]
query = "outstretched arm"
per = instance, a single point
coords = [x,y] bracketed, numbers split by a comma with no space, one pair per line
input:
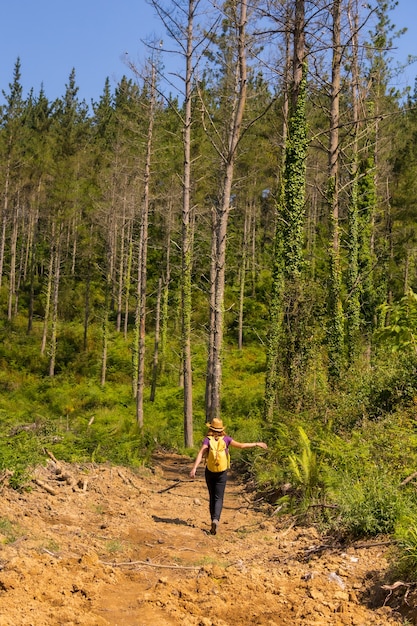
[198,460]
[257,444]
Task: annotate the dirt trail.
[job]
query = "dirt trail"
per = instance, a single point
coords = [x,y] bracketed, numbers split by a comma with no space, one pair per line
[112,546]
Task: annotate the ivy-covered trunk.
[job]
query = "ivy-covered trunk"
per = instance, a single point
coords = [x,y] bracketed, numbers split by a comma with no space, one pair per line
[353,284]
[336,316]
[289,236]
[293,223]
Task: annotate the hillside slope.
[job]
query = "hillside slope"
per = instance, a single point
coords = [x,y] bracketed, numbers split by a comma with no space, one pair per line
[98,545]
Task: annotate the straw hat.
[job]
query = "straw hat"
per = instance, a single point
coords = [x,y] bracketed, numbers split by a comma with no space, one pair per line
[216,425]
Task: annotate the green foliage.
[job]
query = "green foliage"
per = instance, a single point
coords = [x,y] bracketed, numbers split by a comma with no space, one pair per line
[367,201]
[9,530]
[295,474]
[401,330]
[244,375]
[405,564]
[353,303]
[341,440]
[346,483]
[294,185]
[305,468]
[393,385]
[368,504]
[18,454]
[336,321]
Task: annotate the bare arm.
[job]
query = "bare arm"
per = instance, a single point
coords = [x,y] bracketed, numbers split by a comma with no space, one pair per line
[198,460]
[257,444]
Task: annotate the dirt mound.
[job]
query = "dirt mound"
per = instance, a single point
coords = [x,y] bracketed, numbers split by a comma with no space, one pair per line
[99,545]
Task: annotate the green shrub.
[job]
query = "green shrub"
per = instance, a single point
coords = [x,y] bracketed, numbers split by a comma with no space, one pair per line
[405,564]
[368,504]
[394,384]
[9,530]
[19,453]
[304,468]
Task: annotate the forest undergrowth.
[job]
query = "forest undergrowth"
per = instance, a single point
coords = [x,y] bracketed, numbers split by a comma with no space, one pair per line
[344,461]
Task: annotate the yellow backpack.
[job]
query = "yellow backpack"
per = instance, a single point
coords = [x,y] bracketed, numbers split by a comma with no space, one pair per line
[218,458]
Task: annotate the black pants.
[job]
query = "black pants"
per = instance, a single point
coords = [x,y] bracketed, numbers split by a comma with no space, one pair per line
[216,484]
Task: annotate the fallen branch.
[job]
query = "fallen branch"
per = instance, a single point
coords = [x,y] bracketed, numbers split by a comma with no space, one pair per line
[396,585]
[322,547]
[375,544]
[149,564]
[287,530]
[321,505]
[177,482]
[55,556]
[69,479]
[128,480]
[177,549]
[47,488]
[315,549]
[51,456]
[407,480]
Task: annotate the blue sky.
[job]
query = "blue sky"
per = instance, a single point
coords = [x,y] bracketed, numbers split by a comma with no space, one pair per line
[93,36]
[53,36]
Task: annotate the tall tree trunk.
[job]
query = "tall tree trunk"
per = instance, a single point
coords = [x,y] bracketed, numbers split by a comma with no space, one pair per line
[2,245]
[155,361]
[187,239]
[32,255]
[55,301]
[4,219]
[165,291]
[108,282]
[253,273]
[353,301]
[13,259]
[288,248]
[127,277]
[31,269]
[122,263]
[105,330]
[87,305]
[243,261]
[142,260]
[222,214]
[210,373]
[48,294]
[336,318]
[299,51]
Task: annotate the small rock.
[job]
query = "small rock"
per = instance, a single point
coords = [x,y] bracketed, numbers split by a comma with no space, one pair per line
[353,597]
[333,577]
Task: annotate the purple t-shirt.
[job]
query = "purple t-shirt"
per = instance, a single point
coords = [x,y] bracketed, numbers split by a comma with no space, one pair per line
[227,440]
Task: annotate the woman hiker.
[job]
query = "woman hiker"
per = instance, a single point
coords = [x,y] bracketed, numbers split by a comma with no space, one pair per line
[215,449]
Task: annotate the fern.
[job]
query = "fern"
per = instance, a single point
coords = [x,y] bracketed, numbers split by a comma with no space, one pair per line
[304,466]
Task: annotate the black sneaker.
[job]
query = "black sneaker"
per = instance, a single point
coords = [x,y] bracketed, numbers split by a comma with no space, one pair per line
[213,529]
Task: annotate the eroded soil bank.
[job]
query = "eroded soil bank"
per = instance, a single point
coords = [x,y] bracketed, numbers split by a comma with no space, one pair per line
[98,545]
